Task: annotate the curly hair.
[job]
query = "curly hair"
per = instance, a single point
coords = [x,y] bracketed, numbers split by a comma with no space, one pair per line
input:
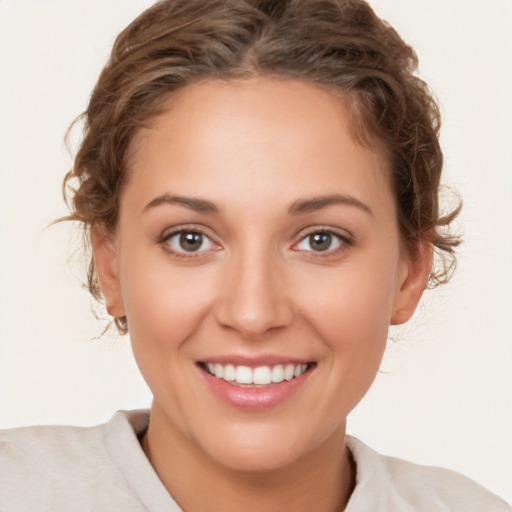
[338,44]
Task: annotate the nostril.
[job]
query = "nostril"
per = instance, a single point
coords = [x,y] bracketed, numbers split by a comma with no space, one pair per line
[253,317]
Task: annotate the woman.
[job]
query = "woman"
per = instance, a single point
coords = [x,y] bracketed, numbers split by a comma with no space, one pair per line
[259,182]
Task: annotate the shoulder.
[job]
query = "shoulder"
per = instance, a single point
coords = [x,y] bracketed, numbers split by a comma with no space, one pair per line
[390,484]
[72,465]
[49,446]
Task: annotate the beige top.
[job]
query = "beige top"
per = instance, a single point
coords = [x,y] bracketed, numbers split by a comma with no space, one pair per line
[103,468]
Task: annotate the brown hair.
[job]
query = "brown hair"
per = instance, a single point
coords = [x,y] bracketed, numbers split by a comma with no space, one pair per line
[339,44]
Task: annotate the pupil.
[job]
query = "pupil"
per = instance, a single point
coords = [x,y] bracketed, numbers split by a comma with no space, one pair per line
[191,241]
[321,241]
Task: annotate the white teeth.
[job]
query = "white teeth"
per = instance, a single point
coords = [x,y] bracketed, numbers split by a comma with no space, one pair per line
[229,372]
[262,375]
[219,371]
[278,373]
[288,371]
[298,370]
[243,375]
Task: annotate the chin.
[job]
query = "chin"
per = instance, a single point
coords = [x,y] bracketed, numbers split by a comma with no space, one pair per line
[253,457]
[261,449]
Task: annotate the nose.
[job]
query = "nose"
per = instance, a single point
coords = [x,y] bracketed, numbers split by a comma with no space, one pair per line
[253,299]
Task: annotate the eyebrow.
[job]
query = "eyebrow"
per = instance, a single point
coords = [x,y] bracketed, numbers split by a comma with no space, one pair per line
[299,206]
[198,205]
[317,203]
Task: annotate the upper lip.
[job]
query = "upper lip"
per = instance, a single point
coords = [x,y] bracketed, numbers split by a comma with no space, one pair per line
[254,361]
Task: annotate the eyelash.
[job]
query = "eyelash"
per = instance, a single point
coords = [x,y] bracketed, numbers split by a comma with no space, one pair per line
[345,242]
[165,241]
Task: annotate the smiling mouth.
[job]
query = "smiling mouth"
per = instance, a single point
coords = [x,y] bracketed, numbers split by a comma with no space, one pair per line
[240,375]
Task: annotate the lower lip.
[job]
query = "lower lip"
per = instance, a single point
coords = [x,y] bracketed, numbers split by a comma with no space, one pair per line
[255,398]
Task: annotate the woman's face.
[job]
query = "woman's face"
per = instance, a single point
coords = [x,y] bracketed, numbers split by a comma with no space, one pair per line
[257,241]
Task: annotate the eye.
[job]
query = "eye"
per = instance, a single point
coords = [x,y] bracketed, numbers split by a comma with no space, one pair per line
[188,241]
[322,242]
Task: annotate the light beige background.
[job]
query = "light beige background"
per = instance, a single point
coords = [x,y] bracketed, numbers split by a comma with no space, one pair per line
[444,396]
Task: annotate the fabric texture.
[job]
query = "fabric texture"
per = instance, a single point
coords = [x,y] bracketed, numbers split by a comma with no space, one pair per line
[103,468]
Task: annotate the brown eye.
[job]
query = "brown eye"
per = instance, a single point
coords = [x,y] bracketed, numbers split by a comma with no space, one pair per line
[189,241]
[322,241]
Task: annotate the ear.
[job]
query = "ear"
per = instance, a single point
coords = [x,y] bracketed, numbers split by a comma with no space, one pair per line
[412,283]
[106,264]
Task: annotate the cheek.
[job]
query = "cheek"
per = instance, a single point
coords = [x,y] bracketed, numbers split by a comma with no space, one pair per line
[352,304]
[164,310]
[164,304]
[351,309]
[355,329]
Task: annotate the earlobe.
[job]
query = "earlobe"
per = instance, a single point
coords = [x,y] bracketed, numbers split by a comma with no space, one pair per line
[413,284]
[105,262]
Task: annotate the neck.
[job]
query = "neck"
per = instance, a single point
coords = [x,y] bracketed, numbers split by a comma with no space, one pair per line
[321,480]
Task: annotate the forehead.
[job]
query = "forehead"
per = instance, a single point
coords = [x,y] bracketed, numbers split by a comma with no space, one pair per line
[254,136]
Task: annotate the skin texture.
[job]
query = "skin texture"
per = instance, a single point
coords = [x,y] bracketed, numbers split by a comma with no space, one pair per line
[256,287]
